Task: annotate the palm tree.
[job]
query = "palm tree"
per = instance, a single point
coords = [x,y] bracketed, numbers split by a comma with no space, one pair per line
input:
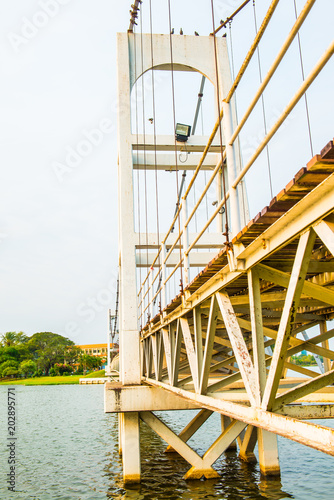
[9,339]
[21,338]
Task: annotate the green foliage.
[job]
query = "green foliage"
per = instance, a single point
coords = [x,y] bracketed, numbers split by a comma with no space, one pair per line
[62,369]
[71,354]
[17,352]
[11,363]
[48,348]
[10,371]
[27,367]
[43,353]
[304,360]
[13,338]
[87,362]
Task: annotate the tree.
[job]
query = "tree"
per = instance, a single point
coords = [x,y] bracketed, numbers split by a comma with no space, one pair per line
[8,339]
[13,338]
[60,369]
[72,354]
[48,348]
[89,362]
[28,367]
[10,371]
[11,363]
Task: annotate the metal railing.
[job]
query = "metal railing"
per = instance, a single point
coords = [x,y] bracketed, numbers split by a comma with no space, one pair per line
[146,296]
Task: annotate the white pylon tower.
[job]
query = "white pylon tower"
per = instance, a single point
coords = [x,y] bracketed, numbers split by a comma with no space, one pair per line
[190,53]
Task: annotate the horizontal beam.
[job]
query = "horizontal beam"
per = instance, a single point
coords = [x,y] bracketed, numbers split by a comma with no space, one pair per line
[316,436]
[320,397]
[150,240]
[167,162]
[196,260]
[119,399]
[194,144]
[308,412]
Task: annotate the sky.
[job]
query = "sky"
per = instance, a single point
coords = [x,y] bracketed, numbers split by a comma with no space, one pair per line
[58,196]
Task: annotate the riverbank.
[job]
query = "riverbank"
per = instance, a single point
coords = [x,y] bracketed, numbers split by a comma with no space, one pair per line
[60,380]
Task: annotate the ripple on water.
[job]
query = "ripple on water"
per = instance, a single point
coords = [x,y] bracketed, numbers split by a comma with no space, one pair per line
[67,449]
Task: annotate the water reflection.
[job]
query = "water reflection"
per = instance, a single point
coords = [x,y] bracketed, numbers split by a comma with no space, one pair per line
[272,488]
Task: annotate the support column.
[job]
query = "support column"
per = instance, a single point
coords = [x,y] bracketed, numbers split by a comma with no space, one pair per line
[267,441]
[131,448]
[268,453]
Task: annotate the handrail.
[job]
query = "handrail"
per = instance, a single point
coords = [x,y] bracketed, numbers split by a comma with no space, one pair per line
[234,182]
[173,246]
[200,234]
[301,91]
[174,269]
[207,187]
[252,49]
[301,18]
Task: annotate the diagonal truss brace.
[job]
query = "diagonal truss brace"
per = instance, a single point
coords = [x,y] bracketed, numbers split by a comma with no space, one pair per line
[200,466]
[294,291]
[304,389]
[239,347]
[192,427]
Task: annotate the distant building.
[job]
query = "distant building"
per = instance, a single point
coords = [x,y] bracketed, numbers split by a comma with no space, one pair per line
[100,350]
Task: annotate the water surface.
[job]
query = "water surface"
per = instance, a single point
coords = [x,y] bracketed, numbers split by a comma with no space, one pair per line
[67,449]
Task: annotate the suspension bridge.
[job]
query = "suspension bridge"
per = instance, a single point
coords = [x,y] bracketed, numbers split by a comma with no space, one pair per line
[214,304]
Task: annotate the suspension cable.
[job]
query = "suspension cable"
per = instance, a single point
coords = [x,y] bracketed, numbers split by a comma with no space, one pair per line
[303,75]
[263,106]
[220,125]
[175,146]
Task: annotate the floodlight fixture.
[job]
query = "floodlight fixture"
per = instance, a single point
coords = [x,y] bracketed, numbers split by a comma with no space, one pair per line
[182,132]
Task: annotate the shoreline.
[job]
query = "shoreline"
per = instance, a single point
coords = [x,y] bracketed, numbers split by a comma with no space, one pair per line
[57,380]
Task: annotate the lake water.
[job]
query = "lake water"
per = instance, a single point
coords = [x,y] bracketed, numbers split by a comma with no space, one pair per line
[66,449]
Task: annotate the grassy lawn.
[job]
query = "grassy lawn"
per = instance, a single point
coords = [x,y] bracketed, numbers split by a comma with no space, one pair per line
[69,379]
[98,374]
